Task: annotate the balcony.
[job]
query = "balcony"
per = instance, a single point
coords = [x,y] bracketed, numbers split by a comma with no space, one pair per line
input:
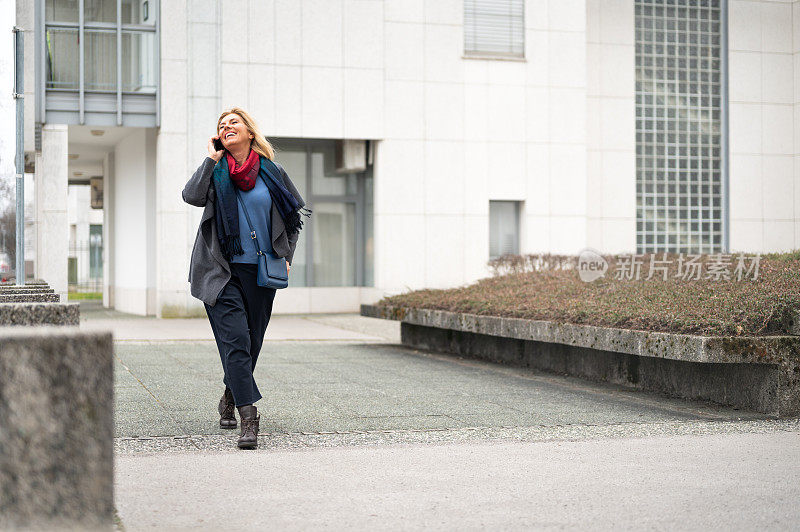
[98,62]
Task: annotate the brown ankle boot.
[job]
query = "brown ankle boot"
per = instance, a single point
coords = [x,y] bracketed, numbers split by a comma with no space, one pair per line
[227,419]
[248,438]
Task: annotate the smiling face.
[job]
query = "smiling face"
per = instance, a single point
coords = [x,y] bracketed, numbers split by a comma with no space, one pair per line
[233,132]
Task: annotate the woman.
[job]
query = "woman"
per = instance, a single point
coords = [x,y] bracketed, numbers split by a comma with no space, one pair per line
[223,267]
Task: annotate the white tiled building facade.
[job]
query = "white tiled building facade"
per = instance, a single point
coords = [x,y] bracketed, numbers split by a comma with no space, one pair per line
[553,129]
[765,125]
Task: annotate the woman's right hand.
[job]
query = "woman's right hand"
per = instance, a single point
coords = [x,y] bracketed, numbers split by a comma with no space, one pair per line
[212,151]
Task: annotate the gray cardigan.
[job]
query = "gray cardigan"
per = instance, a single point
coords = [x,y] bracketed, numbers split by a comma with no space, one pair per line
[208,269]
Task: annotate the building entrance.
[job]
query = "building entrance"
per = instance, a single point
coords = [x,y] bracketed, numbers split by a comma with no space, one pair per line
[335,247]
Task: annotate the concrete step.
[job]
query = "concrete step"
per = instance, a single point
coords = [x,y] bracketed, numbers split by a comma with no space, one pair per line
[39,314]
[25,290]
[30,298]
[12,282]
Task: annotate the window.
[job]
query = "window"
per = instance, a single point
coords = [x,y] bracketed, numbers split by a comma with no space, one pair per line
[494,27]
[503,228]
[678,128]
[137,54]
[96,254]
[335,245]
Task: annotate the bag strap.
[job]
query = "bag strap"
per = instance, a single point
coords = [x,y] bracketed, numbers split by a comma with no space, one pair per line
[249,224]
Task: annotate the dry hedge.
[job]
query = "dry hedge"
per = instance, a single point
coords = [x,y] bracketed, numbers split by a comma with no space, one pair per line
[548,287]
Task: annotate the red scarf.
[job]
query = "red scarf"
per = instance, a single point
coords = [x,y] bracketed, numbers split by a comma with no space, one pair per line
[244,177]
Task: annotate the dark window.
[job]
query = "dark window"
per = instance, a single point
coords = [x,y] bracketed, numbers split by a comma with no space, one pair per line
[503,228]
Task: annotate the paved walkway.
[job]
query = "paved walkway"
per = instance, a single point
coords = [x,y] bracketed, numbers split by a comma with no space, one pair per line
[132,328]
[712,482]
[172,389]
[359,431]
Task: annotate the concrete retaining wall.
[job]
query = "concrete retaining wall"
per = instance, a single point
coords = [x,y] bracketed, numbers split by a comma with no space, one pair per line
[56,429]
[758,373]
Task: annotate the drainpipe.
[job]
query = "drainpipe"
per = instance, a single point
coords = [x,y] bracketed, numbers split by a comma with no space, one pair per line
[19,91]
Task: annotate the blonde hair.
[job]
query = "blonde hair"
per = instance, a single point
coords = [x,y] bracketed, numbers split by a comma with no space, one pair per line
[259,144]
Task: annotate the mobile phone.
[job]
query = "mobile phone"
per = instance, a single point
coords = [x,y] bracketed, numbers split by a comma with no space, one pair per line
[218,145]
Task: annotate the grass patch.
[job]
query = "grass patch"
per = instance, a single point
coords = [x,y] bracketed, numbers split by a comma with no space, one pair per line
[83,296]
[178,311]
[549,288]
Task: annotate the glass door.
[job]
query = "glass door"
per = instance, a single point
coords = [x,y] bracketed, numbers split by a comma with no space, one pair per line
[331,248]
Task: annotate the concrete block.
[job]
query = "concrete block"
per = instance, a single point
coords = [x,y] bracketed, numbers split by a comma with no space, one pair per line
[371,311]
[39,314]
[469,322]
[446,320]
[30,298]
[490,325]
[5,290]
[56,442]
[515,328]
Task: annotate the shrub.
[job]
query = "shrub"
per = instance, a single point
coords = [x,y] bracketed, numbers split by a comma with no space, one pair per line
[548,287]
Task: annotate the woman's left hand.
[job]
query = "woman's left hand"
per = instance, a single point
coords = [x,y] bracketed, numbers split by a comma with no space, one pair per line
[288,267]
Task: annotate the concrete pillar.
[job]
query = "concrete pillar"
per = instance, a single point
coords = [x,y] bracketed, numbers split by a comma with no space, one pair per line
[189,110]
[175,232]
[52,228]
[132,233]
[81,202]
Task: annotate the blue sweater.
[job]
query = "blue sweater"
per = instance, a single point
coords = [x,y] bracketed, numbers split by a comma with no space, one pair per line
[259,206]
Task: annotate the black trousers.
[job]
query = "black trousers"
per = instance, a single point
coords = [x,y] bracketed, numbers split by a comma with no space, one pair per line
[239,320]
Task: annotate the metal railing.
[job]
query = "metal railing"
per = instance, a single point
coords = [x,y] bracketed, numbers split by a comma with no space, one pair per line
[85,267]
